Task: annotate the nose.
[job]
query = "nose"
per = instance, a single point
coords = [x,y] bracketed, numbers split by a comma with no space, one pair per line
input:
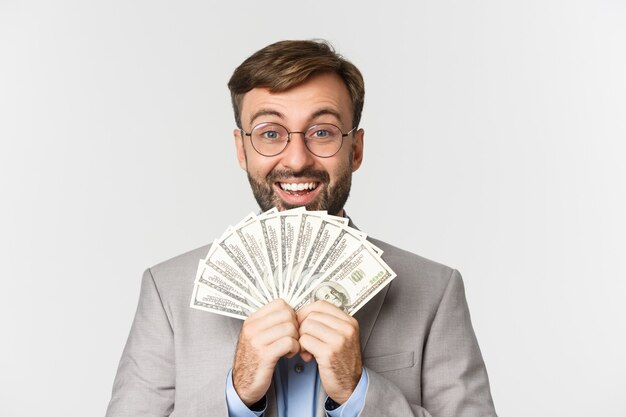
[296,155]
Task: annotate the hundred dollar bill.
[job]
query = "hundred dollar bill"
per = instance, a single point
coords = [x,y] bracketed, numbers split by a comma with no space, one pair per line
[352,283]
[345,242]
[229,268]
[298,255]
[204,299]
[254,242]
[236,291]
[233,246]
[289,221]
[326,232]
[309,223]
[270,230]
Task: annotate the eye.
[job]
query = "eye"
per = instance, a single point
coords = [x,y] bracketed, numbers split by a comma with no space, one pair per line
[321,133]
[270,134]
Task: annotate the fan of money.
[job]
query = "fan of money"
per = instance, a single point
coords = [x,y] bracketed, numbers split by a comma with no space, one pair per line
[298,255]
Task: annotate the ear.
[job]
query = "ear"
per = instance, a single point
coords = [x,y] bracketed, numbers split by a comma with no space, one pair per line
[241,152]
[357,149]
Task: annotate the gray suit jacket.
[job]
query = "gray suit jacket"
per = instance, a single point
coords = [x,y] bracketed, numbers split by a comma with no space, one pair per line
[416,336]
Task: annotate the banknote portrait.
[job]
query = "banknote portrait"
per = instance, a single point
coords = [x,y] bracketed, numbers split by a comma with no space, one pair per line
[334,293]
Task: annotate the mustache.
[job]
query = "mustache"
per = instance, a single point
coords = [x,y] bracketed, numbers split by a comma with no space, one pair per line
[282,174]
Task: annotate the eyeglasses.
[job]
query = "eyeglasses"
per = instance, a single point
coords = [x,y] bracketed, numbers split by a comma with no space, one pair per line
[323,140]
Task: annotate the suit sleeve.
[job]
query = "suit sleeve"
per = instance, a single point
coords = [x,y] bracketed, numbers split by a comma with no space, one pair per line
[145,380]
[453,375]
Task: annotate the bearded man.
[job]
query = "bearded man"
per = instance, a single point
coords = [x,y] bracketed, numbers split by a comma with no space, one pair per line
[411,351]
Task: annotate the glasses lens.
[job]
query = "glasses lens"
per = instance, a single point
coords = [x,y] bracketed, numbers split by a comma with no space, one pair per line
[269,138]
[324,139]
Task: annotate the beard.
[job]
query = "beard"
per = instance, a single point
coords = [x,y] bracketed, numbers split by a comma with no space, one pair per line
[331,198]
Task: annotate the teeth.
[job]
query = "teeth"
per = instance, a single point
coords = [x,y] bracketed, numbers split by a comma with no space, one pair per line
[298,187]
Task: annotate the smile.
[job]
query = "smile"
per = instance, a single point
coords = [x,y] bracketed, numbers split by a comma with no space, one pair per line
[295,187]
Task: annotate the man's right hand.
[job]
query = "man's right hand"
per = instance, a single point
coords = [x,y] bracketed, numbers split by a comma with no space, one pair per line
[266,336]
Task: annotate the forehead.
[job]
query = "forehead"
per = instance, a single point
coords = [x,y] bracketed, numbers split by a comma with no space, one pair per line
[302,103]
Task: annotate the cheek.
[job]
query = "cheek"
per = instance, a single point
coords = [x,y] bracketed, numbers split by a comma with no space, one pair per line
[338,169]
[260,167]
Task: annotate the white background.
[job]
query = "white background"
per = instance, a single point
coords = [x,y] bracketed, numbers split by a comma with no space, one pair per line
[494,143]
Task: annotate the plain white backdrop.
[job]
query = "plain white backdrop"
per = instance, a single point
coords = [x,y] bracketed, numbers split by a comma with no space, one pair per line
[495,143]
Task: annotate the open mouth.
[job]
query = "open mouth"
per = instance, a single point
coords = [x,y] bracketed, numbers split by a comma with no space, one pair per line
[301,188]
[298,193]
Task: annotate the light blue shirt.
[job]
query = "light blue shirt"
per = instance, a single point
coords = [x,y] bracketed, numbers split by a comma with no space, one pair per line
[297,384]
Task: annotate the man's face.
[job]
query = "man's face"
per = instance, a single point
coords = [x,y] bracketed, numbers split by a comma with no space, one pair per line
[321,99]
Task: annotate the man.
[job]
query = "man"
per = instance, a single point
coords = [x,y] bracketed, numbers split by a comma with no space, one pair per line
[410,351]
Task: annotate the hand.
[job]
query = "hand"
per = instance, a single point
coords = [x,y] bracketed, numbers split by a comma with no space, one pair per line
[332,337]
[268,334]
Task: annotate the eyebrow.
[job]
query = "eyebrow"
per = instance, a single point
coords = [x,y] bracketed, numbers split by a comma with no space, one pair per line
[324,111]
[265,112]
[271,112]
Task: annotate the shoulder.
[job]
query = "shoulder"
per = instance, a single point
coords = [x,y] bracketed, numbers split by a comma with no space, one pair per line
[176,275]
[409,263]
[418,277]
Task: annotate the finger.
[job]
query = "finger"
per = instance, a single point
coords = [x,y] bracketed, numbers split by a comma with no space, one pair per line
[323,307]
[332,321]
[286,346]
[270,318]
[271,334]
[306,356]
[278,305]
[329,329]
[312,345]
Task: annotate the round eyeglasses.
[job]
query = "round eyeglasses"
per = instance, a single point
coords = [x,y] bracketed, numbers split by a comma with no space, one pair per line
[323,140]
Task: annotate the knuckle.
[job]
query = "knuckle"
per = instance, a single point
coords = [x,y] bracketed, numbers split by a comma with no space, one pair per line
[350,331]
[285,315]
[304,336]
[331,353]
[304,327]
[287,328]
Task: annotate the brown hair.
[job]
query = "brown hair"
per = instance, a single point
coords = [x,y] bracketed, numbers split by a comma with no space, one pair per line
[286,64]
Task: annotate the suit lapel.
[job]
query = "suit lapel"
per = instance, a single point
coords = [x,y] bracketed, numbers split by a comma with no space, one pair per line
[368,314]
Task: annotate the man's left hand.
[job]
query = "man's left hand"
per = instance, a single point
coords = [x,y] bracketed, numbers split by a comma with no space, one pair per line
[332,337]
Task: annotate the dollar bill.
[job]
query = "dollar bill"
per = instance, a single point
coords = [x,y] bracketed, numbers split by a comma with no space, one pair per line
[236,291]
[270,230]
[234,246]
[309,223]
[298,255]
[327,230]
[352,283]
[221,262]
[289,221]
[203,298]
[346,241]
[254,243]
